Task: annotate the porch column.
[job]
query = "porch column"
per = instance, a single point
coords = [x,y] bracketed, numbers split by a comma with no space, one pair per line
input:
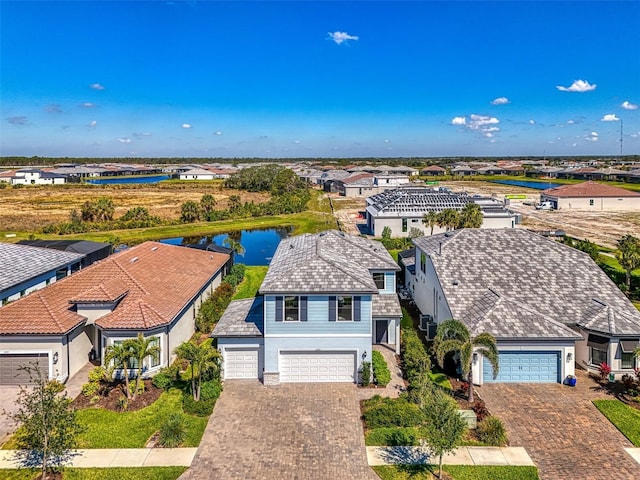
[398,337]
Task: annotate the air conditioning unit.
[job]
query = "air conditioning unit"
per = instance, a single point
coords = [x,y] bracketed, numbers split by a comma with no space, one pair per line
[425,321]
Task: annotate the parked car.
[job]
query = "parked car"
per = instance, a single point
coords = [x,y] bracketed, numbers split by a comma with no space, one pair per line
[547,205]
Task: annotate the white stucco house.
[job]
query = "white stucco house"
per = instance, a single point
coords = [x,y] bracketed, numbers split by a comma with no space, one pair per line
[549,306]
[37,177]
[592,196]
[153,288]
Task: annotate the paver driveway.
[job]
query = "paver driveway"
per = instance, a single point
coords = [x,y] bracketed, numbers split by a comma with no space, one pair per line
[8,396]
[293,431]
[564,433]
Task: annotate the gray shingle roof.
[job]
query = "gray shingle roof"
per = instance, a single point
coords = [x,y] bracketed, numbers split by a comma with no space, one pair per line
[386,305]
[20,263]
[329,261]
[534,277]
[242,318]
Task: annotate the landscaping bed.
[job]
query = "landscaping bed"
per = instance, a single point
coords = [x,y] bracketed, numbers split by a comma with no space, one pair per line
[623,417]
[111,398]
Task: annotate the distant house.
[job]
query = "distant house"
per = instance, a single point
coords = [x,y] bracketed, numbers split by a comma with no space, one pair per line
[402,209]
[37,177]
[549,306]
[326,299]
[433,170]
[592,196]
[152,288]
[196,174]
[24,269]
[463,171]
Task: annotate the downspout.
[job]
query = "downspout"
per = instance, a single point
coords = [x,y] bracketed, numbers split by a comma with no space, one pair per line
[68,359]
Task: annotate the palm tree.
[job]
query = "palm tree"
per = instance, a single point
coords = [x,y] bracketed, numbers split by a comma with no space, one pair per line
[142,348]
[470,216]
[202,358]
[629,256]
[120,354]
[235,246]
[430,219]
[207,205]
[453,336]
[190,212]
[448,218]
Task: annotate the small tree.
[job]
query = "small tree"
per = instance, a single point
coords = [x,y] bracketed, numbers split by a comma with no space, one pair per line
[142,348]
[189,212]
[629,256]
[48,425]
[430,219]
[235,246]
[444,426]
[448,218]
[202,358]
[207,205]
[470,216]
[121,355]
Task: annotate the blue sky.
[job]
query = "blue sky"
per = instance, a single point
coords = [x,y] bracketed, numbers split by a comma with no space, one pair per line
[327,79]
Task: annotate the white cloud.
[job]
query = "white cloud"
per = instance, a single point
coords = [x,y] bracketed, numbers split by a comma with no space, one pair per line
[18,120]
[577,86]
[96,86]
[459,121]
[142,134]
[592,137]
[340,37]
[483,124]
[532,122]
[571,122]
[628,105]
[124,140]
[610,117]
[186,125]
[87,105]
[218,133]
[93,124]
[500,101]
[53,108]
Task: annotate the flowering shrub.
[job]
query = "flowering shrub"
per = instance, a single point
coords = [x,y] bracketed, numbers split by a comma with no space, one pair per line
[605,370]
[637,372]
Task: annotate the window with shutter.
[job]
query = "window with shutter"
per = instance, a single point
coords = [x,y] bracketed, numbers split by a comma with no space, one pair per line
[279,308]
[357,309]
[332,309]
[303,309]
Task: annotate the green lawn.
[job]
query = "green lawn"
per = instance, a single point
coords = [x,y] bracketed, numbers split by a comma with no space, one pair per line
[624,418]
[253,276]
[457,472]
[137,473]
[108,429]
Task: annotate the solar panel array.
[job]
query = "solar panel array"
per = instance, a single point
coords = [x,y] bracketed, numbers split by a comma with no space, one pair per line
[418,199]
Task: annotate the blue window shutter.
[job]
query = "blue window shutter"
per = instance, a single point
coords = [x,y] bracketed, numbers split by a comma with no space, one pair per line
[279,308]
[357,309]
[303,309]
[333,309]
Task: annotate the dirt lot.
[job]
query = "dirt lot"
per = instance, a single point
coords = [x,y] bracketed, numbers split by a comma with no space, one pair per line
[31,208]
[603,228]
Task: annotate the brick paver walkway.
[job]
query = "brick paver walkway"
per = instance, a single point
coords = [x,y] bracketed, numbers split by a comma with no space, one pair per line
[396,386]
[293,431]
[564,433]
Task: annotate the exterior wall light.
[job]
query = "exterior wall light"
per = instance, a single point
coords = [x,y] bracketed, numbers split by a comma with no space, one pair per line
[55,358]
[475,357]
[569,357]
[364,355]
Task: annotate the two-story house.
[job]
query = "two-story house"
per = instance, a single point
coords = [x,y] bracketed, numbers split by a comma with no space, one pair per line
[326,299]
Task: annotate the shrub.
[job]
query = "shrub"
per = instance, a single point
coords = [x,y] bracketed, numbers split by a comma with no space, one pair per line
[123,403]
[366,374]
[90,389]
[480,410]
[173,431]
[210,390]
[628,381]
[393,436]
[162,380]
[98,374]
[381,373]
[415,359]
[202,408]
[401,437]
[605,370]
[491,432]
[391,412]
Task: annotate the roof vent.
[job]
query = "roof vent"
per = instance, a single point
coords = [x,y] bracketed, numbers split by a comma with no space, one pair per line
[134,260]
[291,245]
[153,249]
[455,282]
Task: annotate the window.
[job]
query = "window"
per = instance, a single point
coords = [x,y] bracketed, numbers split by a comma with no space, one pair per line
[598,356]
[404,224]
[378,277]
[423,262]
[291,310]
[627,360]
[591,202]
[154,359]
[345,309]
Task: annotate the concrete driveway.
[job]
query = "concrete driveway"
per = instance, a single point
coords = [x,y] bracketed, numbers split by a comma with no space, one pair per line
[564,433]
[8,396]
[293,431]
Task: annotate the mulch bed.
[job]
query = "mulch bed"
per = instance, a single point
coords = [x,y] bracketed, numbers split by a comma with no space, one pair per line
[113,392]
[618,390]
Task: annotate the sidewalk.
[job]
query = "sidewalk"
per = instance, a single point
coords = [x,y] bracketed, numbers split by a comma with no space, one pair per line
[513,456]
[117,457]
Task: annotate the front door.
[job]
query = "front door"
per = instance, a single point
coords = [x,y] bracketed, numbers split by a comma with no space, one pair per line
[381,331]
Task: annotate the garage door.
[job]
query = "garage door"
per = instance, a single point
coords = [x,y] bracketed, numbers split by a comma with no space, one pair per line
[317,366]
[10,363]
[241,363]
[531,367]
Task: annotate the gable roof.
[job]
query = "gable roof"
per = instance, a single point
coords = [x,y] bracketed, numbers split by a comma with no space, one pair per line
[151,282]
[329,261]
[589,189]
[242,318]
[530,274]
[20,263]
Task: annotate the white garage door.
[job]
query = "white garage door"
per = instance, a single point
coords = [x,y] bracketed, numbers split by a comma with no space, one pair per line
[241,363]
[317,366]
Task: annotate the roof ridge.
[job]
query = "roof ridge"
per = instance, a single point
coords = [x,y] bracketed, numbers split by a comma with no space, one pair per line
[336,265]
[129,276]
[54,317]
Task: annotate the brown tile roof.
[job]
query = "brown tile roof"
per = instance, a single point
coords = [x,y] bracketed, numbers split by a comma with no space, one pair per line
[589,189]
[157,281]
[433,168]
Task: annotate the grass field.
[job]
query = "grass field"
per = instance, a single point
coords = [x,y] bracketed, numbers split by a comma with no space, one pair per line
[253,276]
[623,417]
[456,472]
[137,473]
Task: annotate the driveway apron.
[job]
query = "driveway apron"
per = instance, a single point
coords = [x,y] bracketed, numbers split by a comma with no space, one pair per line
[292,431]
[564,433]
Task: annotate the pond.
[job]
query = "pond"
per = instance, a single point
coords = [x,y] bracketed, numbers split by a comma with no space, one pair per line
[527,184]
[259,245]
[123,180]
